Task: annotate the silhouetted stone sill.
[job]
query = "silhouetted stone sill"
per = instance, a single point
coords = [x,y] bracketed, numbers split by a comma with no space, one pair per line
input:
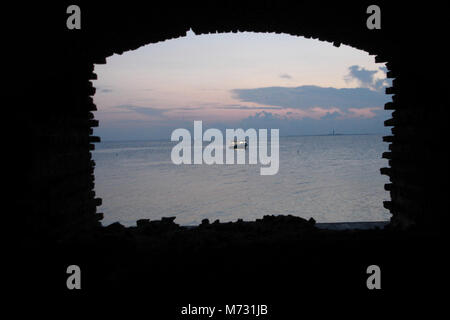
[367,225]
[270,229]
[361,225]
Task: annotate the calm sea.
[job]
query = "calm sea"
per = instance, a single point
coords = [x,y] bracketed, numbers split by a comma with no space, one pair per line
[329,178]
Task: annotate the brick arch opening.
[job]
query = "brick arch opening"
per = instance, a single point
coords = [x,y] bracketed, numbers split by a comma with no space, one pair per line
[199,29]
[300,207]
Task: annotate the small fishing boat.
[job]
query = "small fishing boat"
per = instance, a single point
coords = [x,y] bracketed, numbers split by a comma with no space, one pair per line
[242,144]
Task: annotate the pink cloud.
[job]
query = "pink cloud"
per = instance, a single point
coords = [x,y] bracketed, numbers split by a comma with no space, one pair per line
[362,112]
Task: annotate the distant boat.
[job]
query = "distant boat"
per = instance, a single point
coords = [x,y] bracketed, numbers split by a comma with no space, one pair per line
[239,144]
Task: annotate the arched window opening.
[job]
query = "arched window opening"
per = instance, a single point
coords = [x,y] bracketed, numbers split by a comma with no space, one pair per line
[326,102]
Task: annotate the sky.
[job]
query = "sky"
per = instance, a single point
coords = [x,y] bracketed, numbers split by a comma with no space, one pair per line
[240,80]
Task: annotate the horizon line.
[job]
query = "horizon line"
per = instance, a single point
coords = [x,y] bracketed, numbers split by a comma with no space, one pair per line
[284,136]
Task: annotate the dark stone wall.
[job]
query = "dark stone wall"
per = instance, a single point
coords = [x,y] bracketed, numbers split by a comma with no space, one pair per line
[54,106]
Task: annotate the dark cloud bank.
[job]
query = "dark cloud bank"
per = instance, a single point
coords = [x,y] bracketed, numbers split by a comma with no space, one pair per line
[306,97]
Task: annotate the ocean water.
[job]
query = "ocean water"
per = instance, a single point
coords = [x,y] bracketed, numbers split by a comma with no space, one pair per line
[328,178]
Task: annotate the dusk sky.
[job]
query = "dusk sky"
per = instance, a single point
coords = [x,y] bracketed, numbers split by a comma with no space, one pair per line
[240,80]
